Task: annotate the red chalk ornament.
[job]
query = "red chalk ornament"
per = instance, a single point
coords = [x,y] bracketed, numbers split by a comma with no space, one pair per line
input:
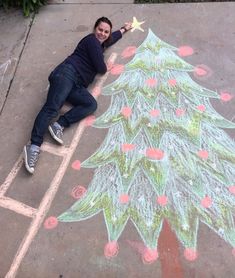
[172,82]
[111,249]
[232,189]
[50,223]
[162,200]
[76,165]
[201,107]
[203,154]
[117,69]
[154,153]
[225,96]
[149,256]
[206,202]
[180,112]
[128,52]
[185,50]
[155,113]
[128,147]
[151,82]
[200,71]
[190,254]
[78,192]
[124,198]
[126,111]
[89,120]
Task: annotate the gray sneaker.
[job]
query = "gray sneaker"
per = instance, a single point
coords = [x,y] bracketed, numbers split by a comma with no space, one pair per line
[30,158]
[56,132]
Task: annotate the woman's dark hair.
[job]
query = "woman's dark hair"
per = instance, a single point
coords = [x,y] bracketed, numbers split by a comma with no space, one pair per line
[106,20]
[103,19]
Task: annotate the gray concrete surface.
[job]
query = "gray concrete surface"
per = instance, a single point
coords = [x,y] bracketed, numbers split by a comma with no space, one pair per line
[76,249]
[14,29]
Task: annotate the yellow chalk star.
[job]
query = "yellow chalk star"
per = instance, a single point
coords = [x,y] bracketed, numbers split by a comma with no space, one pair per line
[136,25]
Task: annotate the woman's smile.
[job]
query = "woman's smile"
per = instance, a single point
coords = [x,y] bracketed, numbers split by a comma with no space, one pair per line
[102,32]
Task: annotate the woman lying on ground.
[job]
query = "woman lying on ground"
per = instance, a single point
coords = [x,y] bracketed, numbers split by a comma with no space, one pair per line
[68,82]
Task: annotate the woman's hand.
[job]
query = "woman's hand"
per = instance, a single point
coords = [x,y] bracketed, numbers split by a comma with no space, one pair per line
[109,66]
[127,26]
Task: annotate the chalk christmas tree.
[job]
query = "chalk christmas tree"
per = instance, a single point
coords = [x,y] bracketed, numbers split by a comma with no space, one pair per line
[165,156]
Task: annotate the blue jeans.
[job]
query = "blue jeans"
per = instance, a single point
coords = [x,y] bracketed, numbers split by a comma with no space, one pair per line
[65,85]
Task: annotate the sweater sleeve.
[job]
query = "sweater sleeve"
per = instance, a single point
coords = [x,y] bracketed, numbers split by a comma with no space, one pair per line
[95,52]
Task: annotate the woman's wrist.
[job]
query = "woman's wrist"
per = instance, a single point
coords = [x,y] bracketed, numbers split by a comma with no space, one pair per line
[126,27]
[123,29]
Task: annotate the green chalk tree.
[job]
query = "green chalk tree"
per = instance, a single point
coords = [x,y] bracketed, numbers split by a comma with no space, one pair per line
[165,156]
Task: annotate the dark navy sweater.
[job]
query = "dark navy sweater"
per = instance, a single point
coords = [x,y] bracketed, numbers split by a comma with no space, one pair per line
[88,58]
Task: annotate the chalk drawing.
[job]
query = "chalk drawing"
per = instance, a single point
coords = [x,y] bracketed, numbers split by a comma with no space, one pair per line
[226,96]
[136,25]
[202,72]
[165,156]
[50,223]
[185,50]
[3,69]
[78,191]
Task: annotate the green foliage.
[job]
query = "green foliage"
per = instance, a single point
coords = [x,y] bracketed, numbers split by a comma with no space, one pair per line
[28,6]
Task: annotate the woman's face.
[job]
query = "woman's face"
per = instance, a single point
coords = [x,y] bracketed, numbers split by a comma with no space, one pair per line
[102,31]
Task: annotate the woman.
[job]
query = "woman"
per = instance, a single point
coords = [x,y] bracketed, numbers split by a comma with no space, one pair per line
[68,82]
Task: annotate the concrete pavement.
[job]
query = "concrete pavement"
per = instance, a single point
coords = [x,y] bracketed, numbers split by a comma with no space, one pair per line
[32,243]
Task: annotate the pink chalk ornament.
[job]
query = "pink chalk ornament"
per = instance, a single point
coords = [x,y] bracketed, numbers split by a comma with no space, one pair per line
[201,107]
[124,198]
[50,223]
[154,153]
[111,249]
[117,69]
[225,96]
[126,111]
[179,112]
[76,165]
[185,50]
[200,71]
[149,256]
[78,191]
[233,252]
[206,202]
[89,120]
[162,200]
[151,82]
[128,147]
[232,189]
[190,254]
[203,154]
[96,91]
[128,52]
[172,82]
[155,113]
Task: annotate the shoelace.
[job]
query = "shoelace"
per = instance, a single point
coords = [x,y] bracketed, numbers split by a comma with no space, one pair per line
[59,132]
[33,158]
